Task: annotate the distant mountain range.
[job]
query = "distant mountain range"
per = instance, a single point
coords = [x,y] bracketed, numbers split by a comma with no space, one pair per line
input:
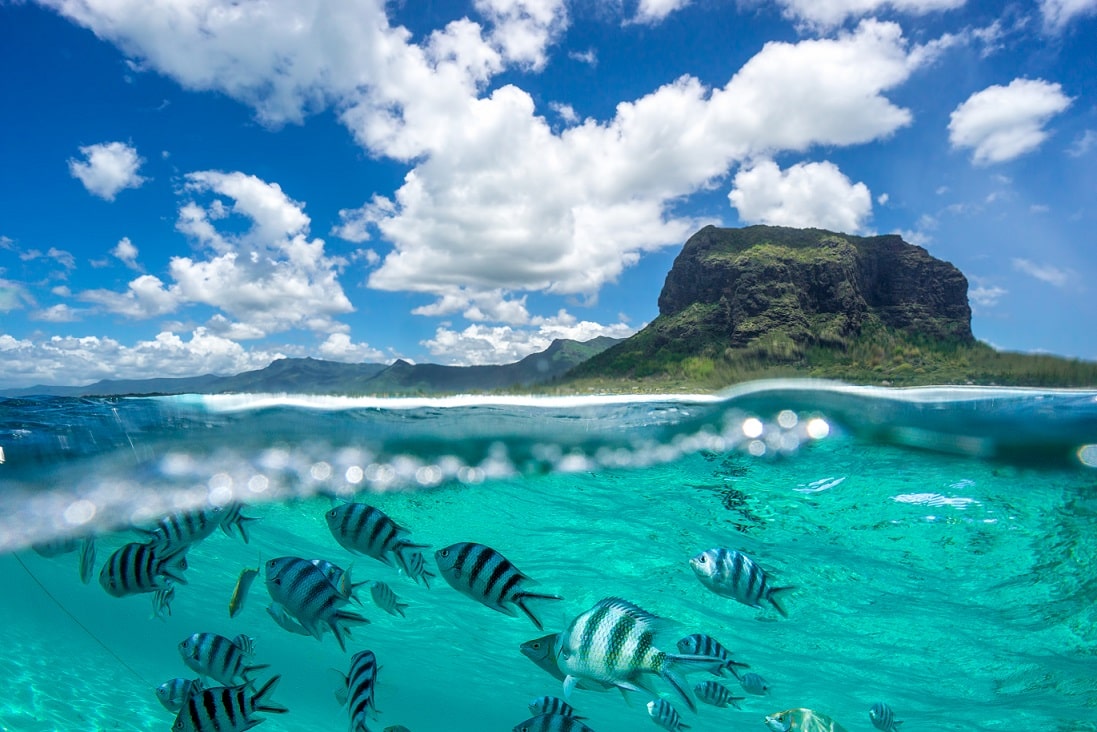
[313,376]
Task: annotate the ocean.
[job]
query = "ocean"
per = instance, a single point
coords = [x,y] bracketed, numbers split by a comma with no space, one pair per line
[940,545]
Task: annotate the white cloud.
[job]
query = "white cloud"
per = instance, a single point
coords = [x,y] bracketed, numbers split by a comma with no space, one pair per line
[339,347]
[480,344]
[566,112]
[145,297]
[13,296]
[60,313]
[1043,272]
[62,257]
[805,195]
[1000,123]
[1083,144]
[524,28]
[655,11]
[126,252]
[588,57]
[108,168]
[1057,13]
[829,13]
[986,295]
[80,360]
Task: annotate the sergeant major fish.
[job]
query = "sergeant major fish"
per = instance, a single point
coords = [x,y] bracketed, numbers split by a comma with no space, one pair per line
[357,689]
[386,599]
[306,594]
[700,644]
[733,574]
[226,709]
[552,705]
[542,651]
[614,642]
[174,694]
[754,684]
[802,720]
[883,718]
[218,658]
[363,529]
[551,723]
[488,577]
[716,694]
[665,715]
[135,568]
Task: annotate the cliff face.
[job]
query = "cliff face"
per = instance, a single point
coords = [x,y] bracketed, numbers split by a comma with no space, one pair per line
[809,285]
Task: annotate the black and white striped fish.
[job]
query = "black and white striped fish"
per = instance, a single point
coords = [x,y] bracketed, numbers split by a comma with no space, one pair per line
[218,658]
[733,574]
[716,694]
[356,691]
[551,723]
[414,565]
[701,644]
[309,597]
[883,718]
[339,578]
[135,568]
[542,651]
[614,642]
[226,709]
[752,683]
[184,528]
[174,694]
[665,715]
[364,529]
[552,705]
[488,577]
[233,518]
[87,559]
[386,599]
[161,602]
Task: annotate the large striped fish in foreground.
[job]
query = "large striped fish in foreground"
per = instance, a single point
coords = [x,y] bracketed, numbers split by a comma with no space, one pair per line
[364,529]
[135,568]
[801,720]
[614,643]
[488,577]
[305,593]
[219,658]
[733,574]
[356,691]
[226,709]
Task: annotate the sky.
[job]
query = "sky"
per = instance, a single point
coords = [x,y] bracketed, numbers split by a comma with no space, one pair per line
[203,186]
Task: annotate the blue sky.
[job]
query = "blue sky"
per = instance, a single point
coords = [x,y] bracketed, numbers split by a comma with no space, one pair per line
[201,186]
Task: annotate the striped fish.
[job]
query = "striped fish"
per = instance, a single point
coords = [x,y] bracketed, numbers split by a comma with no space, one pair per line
[184,528]
[339,578]
[245,643]
[232,518]
[363,529]
[551,723]
[552,705]
[801,720]
[161,602]
[716,694]
[397,728]
[356,691]
[226,709]
[386,599]
[87,559]
[752,683]
[733,574]
[218,658]
[883,718]
[701,644]
[614,642]
[414,565]
[666,716]
[55,547]
[309,597]
[174,694]
[136,568]
[240,592]
[542,652]
[488,577]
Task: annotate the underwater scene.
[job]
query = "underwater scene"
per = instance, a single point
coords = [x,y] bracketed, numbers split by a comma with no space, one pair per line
[783,556]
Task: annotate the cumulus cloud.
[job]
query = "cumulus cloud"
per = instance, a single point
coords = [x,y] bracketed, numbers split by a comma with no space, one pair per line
[1050,274]
[340,347]
[523,29]
[986,295]
[1058,13]
[107,168]
[126,253]
[805,195]
[81,360]
[1001,123]
[655,11]
[829,13]
[13,296]
[59,313]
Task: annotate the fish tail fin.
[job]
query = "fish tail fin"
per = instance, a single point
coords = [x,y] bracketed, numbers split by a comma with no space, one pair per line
[731,666]
[259,703]
[425,574]
[400,608]
[520,600]
[674,678]
[341,683]
[241,525]
[173,569]
[773,600]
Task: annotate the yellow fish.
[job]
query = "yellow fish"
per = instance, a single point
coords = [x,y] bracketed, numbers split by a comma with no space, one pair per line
[802,720]
[240,593]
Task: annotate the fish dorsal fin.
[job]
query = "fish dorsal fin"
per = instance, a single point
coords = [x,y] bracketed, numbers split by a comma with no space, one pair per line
[643,618]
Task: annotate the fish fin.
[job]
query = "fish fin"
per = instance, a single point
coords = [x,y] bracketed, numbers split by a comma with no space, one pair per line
[341,683]
[399,607]
[645,620]
[520,600]
[167,566]
[679,684]
[773,601]
[693,662]
[424,575]
[258,702]
[570,682]
[251,669]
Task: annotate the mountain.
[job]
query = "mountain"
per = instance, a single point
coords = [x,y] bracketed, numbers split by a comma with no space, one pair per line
[767,301]
[312,376]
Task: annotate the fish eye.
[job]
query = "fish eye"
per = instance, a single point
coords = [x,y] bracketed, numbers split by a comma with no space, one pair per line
[331,513]
[443,552]
[277,581]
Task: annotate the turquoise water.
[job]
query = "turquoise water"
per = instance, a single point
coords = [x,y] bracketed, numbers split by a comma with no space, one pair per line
[941,543]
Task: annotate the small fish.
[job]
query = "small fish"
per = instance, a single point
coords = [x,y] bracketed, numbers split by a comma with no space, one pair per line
[184,528]
[356,691]
[551,723]
[87,559]
[232,518]
[136,568]
[308,596]
[733,574]
[802,720]
[215,656]
[161,602]
[752,683]
[414,565]
[716,694]
[240,592]
[487,576]
[283,619]
[226,709]
[397,728]
[386,599]
[666,716]
[174,694]
[363,529]
[701,644]
[883,718]
[245,643]
[552,705]
[614,642]
[55,547]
